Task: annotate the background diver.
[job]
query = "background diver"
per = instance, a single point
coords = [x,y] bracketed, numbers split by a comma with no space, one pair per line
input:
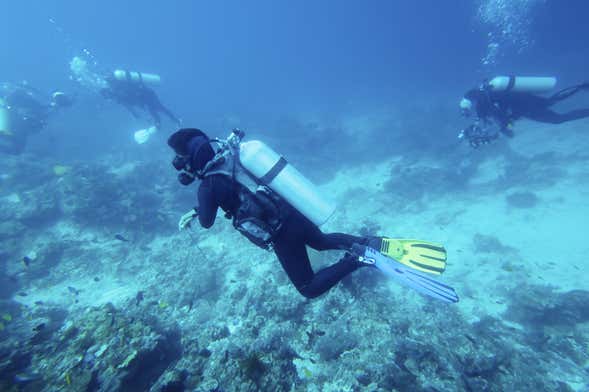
[25,111]
[503,100]
[135,94]
[271,222]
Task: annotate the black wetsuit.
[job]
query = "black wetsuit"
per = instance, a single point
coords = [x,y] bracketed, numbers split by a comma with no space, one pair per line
[289,244]
[506,107]
[27,116]
[131,95]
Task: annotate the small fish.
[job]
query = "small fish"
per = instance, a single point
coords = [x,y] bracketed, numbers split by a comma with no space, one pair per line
[96,279]
[39,327]
[26,261]
[73,290]
[139,297]
[471,339]
[25,378]
[39,303]
[22,294]
[121,238]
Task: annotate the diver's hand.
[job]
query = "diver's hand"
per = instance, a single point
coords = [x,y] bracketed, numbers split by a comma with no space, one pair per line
[187,218]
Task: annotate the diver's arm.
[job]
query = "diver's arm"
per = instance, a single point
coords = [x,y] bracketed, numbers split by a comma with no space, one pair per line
[207,205]
[504,121]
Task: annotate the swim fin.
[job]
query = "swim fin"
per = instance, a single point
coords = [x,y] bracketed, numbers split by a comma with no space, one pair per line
[420,255]
[406,276]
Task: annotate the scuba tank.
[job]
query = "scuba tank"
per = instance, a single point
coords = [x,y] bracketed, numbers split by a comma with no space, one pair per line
[265,180]
[136,77]
[4,120]
[271,169]
[528,84]
[264,167]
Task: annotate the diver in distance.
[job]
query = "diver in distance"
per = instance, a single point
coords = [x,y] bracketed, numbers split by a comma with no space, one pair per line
[276,208]
[502,100]
[25,111]
[130,90]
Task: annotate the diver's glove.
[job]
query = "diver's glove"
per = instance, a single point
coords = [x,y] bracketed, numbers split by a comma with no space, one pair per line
[187,218]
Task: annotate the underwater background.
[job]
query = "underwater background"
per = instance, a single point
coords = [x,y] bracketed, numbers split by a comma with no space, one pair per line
[100,292]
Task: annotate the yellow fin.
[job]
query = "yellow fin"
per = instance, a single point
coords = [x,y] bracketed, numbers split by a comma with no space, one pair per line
[420,255]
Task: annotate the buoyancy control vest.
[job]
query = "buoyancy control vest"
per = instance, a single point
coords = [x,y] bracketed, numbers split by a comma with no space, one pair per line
[261,211]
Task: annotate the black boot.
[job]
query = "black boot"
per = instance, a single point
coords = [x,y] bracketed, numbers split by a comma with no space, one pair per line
[373,242]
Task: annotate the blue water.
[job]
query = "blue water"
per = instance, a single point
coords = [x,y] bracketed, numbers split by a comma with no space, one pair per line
[342,88]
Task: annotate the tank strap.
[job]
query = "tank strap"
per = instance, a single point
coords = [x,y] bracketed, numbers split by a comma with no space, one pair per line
[274,171]
[511,83]
[130,80]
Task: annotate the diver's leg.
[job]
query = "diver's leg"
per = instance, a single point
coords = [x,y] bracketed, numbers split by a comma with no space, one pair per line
[551,117]
[567,92]
[295,261]
[318,240]
[292,254]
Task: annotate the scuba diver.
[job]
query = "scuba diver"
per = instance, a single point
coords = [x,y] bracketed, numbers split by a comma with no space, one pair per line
[276,208]
[130,90]
[23,113]
[504,99]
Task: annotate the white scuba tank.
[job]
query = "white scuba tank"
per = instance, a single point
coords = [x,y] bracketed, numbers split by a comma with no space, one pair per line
[4,121]
[272,170]
[528,84]
[136,77]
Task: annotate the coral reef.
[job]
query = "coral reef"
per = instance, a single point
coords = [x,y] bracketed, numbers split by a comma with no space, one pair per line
[99,292]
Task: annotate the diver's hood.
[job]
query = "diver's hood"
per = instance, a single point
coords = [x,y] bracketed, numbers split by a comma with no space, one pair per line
[201,152]
[179,141]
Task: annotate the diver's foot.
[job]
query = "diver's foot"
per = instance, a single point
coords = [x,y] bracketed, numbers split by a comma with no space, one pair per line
[373,242]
